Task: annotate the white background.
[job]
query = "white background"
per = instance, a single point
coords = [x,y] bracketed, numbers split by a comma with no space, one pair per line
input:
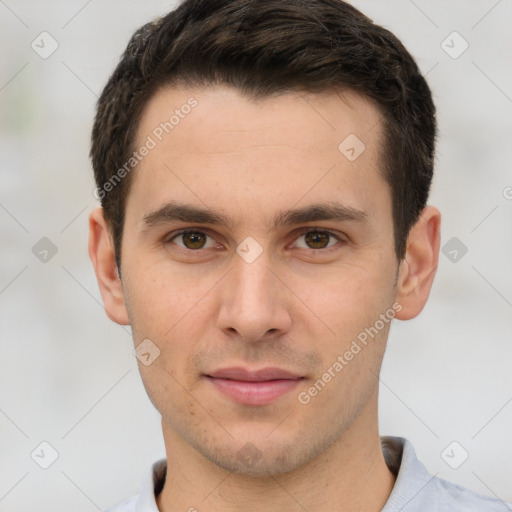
[67,373]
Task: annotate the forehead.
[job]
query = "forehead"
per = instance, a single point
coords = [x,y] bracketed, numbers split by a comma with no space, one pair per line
[214,145]
[303,118]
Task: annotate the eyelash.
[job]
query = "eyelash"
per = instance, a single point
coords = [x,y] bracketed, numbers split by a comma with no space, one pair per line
[168,240]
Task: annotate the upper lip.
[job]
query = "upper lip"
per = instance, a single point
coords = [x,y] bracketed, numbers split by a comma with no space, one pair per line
[264,374]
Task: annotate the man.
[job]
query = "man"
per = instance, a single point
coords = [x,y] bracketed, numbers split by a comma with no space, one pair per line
[264,169]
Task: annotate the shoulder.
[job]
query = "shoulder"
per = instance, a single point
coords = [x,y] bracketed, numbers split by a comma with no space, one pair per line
[416,490]
[453,497]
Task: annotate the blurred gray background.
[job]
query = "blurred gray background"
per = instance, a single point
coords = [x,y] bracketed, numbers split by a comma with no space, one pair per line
[67,374]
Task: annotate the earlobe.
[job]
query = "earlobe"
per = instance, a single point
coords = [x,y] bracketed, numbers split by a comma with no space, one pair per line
[102,254]
[417,270]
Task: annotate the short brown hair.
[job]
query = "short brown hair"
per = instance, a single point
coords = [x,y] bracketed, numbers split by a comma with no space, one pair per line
[263,48]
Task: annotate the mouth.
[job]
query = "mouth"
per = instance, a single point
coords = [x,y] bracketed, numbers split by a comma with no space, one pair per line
[254,387]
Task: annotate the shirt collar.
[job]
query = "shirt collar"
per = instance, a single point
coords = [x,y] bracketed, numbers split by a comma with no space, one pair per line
[412,478]
[153,484]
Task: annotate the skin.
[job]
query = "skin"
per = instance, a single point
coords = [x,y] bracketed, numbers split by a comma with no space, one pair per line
[298,306]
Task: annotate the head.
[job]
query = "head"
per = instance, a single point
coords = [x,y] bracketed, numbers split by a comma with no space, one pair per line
[295,142]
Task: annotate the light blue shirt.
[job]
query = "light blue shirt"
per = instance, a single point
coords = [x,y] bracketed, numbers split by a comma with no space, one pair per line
[415,489]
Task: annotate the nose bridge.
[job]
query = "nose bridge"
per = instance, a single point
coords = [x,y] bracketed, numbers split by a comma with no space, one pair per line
[252,281]
[253,302]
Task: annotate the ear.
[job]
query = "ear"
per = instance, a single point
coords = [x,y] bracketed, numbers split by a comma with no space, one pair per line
[102,254]
[417,270]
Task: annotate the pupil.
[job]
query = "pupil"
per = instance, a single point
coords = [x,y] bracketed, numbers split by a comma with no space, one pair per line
[317,240]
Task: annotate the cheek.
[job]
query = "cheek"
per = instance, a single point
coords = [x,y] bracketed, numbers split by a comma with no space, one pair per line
[161,297]
[173,309]
[351,295]
[350,304]
[351,361]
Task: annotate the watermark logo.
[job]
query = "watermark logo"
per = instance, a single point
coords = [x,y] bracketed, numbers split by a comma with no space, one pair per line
[44,45]
[455,455]
[44,250]
[454,45]
[249,454]
[454,250]
[352,147]
[146,352]
[249,250]
[44,455]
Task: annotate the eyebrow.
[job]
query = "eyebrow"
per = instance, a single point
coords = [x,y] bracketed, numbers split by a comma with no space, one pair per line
[173,211]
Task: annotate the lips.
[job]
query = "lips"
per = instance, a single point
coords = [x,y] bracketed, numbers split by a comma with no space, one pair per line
[254,387]
[265,374]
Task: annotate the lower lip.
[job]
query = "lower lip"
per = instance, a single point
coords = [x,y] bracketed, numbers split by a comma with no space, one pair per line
[254,393]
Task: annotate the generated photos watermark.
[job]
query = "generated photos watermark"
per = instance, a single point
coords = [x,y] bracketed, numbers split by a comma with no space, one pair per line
[151,142]
[356,347]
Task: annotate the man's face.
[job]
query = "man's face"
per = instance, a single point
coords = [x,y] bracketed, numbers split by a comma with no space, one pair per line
[260,288]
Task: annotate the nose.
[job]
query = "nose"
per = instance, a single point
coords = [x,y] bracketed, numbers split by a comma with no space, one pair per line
[254,302]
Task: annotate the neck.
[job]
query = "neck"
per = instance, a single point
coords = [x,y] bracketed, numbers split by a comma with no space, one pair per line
[351,475]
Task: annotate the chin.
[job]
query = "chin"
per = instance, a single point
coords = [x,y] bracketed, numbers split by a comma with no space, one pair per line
[265,466]
[261,458]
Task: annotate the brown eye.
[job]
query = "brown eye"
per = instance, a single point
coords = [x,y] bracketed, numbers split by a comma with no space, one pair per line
[317,239]
[192,240]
